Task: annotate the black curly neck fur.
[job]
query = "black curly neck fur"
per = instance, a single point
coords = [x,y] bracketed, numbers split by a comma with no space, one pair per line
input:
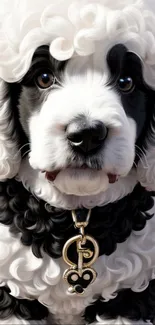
[47,228]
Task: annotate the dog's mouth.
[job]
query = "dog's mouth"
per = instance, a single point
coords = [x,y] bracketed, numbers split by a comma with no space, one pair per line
[51,175]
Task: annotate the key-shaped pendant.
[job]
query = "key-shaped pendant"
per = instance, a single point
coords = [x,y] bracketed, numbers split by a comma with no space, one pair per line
[79,276]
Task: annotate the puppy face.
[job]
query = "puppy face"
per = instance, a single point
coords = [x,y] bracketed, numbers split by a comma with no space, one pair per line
[83,118]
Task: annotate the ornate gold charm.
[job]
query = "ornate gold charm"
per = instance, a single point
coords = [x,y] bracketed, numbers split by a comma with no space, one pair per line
[80,274]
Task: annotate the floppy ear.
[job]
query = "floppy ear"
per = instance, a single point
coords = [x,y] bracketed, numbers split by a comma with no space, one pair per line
[146,165]
[9,152]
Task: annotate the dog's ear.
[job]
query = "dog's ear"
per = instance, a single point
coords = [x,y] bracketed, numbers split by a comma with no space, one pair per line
[146,165]
[10,157]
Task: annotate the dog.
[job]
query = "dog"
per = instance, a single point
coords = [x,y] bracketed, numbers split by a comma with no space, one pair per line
[77,162]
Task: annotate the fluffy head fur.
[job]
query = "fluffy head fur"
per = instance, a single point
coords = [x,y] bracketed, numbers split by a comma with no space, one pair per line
[71,28]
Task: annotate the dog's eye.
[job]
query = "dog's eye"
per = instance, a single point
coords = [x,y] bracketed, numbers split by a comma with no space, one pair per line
[45,80]
[126,84]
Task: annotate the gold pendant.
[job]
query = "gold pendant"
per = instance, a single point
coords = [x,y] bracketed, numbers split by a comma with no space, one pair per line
[80,275]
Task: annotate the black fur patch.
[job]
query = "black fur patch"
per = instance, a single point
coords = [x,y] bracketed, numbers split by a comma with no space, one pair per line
[110,224]
[139,103]
[128,304]
[21,308]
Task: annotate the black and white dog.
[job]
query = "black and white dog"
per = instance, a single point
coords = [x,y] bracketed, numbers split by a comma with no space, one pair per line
[77,132]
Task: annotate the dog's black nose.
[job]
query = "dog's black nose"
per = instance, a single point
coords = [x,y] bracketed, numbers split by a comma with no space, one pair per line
[87,138]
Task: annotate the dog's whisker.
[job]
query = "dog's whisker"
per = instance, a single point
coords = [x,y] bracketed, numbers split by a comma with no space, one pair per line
[142,157]
[145,166]
[142,160]
[26,144]
[59,82]
[140,149]
[135,164]
[35,196]
[25,153]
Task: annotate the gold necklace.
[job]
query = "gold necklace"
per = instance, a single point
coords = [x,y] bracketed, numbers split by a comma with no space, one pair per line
[80,275]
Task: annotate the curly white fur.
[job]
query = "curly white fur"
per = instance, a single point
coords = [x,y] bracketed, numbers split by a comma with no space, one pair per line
[16,321]
[118,321]
[71,28]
